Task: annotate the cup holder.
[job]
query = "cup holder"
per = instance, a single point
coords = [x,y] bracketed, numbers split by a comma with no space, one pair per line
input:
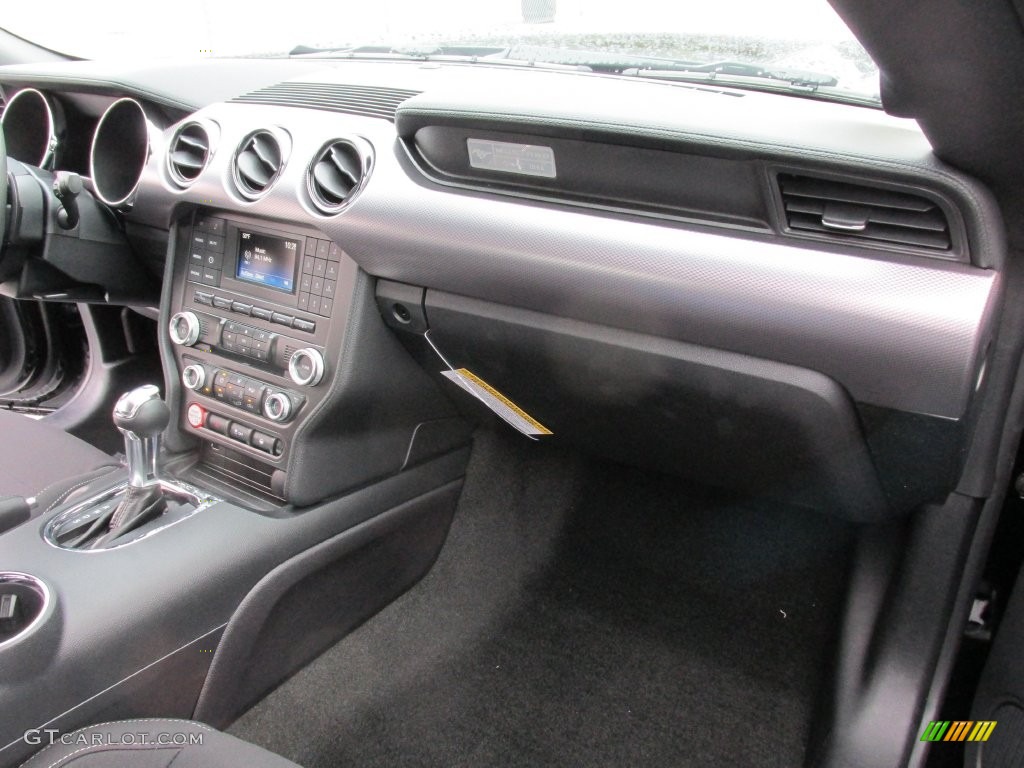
[24,600]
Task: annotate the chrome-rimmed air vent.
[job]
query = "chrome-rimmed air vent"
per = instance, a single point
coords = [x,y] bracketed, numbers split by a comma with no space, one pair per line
[882,216]
[338,171]
[257,163]
[189,153]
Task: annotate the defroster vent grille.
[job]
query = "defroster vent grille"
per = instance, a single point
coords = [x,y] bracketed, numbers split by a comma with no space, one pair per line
[370,101]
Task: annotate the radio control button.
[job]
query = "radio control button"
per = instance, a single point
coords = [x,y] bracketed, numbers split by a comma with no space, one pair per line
[262,314]
[307,265]
[326,306]
[211,224]
[334,253]
[215,243]
[304,301]
[211,277]
[332,271]
[282,319]
[323,247]
[240,308]
[319,267]
[310,249]
[213,260]
[304,325]
[305,282]
[221,303]
[195,273]
[201,297]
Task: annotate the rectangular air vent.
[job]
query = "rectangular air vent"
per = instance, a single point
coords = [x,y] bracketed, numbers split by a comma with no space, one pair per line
[368,101]
[845,211]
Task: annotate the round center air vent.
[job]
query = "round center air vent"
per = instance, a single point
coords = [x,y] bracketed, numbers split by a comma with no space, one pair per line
[257,164]
[337,172]
[189,153]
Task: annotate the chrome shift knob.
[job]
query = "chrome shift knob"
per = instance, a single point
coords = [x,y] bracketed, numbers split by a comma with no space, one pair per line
[141,416]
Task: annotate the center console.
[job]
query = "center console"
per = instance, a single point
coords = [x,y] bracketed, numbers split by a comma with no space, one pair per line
[310,462]
[257,321]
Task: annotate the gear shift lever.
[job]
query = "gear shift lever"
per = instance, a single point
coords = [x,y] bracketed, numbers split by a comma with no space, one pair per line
[122,513]
[141,416]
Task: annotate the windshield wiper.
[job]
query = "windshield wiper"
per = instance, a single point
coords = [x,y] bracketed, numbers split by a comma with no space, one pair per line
[629,64]
[463,54]
[739,74]
[424,53]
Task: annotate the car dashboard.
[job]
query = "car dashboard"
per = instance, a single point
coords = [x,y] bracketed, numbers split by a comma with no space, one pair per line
[787,242]
[351,262]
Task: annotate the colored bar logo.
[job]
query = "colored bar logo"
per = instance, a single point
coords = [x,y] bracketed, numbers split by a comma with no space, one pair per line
[958,730]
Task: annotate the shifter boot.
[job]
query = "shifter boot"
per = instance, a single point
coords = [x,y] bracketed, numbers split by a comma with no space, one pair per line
[138,507]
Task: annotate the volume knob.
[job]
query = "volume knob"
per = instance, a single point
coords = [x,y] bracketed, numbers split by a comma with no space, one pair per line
[306,367]
[184,328]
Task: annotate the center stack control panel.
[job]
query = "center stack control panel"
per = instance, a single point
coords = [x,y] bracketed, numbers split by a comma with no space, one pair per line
[257,321]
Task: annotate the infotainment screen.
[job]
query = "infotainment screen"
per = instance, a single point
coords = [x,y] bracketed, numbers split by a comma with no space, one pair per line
[266,260]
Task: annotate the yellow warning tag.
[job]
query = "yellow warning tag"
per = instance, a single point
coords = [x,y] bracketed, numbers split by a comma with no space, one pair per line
[497,402]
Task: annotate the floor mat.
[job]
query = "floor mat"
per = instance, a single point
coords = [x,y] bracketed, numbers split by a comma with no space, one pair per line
[581,614]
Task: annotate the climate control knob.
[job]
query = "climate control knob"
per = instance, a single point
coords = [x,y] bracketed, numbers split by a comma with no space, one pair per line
[193,377]
[277,407]
[184,328]
[306,367]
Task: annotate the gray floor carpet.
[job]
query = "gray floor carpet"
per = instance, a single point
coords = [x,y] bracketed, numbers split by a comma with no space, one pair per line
[581,614]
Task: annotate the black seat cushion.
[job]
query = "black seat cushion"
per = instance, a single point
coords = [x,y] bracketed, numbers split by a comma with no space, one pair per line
[34,455]
[153,743]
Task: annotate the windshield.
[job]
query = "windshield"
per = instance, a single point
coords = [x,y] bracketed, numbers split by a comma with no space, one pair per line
[802,42]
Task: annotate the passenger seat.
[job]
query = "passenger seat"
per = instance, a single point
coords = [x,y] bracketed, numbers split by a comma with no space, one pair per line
[153,743]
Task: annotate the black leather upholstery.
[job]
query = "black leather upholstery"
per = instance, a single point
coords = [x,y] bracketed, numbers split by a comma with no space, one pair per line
[153,743]
[34,455]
